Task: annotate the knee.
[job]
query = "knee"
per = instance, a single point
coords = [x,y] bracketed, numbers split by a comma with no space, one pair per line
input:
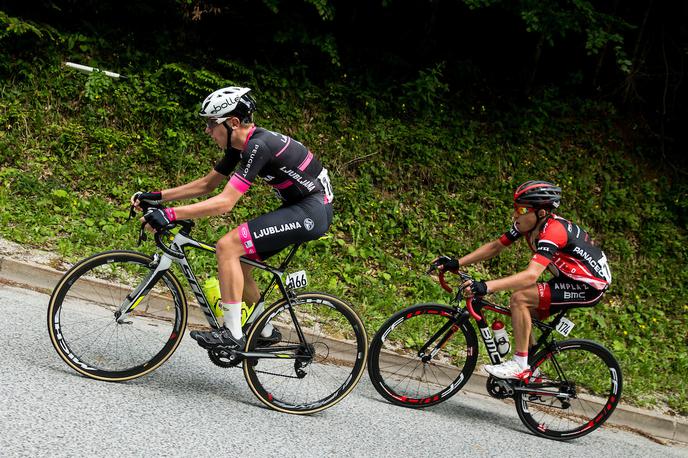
[229,246]
[518,300]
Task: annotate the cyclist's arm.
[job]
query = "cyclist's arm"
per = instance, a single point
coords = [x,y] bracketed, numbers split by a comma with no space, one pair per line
[518,281]
[217,205]
[196,188]
[487,251]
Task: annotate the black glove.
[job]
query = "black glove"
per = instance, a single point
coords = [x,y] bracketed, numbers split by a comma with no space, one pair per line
[150,198]
[158,218]
[446,263]
[479,288]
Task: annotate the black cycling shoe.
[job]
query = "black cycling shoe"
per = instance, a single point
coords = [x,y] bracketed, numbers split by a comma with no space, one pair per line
[272,339]
[218,339]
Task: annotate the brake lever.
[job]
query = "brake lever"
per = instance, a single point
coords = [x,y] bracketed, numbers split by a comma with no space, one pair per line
[142,234]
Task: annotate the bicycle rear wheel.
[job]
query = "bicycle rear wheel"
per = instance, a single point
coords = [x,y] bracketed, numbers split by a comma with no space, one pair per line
[310,373]
[82,324]
[577,389]
[421,356]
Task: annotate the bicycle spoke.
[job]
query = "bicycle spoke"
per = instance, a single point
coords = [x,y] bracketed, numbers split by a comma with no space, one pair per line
[330,368]
[82,317]
[405,378]
[582,385]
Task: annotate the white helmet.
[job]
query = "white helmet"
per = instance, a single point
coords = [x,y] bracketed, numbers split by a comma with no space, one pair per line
[228,101]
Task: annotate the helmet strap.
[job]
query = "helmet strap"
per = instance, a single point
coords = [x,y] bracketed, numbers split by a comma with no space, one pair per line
[229,134]
[541,218]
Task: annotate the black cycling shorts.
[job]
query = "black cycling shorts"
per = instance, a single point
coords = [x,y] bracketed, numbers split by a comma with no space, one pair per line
[562,293]
[300,222]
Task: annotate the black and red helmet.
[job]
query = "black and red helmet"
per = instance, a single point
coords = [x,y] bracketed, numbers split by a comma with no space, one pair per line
[538,194]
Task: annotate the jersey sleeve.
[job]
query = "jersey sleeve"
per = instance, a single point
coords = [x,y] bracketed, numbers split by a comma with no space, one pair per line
[552,238]
[256,155]
[509,236]
[227,163]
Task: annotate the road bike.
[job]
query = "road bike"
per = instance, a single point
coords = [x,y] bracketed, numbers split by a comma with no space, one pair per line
[426,353]
[119,315]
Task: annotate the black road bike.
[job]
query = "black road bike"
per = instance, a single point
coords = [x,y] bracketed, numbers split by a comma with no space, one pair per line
[118,315]
[426,353]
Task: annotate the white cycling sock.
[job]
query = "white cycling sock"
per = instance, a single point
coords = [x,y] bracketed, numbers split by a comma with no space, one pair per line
[267,329]
[522,359]
[233,318]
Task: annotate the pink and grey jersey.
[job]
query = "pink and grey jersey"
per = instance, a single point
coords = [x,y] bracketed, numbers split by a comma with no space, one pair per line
[282,162]
[568,250]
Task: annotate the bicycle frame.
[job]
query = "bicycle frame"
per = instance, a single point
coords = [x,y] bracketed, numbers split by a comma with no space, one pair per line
[474,308]
[175,253]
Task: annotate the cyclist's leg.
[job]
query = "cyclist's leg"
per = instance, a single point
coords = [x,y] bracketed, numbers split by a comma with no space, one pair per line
[251,292]
[231,276]
[251,297]
[229,250]
[523,304]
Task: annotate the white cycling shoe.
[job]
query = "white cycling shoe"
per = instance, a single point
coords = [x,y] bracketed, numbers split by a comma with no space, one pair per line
[508,370]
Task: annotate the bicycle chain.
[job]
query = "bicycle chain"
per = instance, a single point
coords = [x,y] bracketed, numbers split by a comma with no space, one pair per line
[215,359]
[278,375]
[263,372]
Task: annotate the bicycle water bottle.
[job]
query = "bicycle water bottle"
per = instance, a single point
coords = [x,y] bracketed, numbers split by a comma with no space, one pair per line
[501,338]
[211,289]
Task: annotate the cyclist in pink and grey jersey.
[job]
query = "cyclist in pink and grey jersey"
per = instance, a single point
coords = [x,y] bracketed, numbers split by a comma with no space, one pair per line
[296,175]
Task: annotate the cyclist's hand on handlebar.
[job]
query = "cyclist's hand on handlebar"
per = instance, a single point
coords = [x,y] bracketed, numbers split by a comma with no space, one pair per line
[149,199]
[474,288]
[158,218]
[444,263]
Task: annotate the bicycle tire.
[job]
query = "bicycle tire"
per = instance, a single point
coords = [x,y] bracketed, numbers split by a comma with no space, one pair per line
[399,372]
[588,379]
[86,298]
[336,348]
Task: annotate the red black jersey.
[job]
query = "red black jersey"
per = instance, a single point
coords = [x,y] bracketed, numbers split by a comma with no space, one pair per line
[568,250]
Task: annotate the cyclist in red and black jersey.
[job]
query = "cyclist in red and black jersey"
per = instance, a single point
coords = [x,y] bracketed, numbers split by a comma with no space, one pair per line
[296,175]
[580,269]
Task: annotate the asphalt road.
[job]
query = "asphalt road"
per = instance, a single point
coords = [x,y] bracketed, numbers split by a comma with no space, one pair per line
[188,406]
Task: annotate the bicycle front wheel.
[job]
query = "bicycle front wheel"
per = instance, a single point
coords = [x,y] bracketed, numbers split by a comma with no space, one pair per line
[83,325]
[575,388]
[421,356]
[317,359]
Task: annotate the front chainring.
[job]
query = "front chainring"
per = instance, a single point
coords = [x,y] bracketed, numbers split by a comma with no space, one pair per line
[223,358]
[500,389]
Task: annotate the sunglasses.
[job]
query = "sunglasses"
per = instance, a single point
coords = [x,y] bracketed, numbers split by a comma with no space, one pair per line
[211,124]
[523,210]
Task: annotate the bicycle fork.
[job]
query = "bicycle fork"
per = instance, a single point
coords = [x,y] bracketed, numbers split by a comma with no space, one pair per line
[134,298]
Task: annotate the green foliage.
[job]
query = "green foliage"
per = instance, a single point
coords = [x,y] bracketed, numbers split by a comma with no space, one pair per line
[426,90]
[554,21]
[414,176]
[14,27]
